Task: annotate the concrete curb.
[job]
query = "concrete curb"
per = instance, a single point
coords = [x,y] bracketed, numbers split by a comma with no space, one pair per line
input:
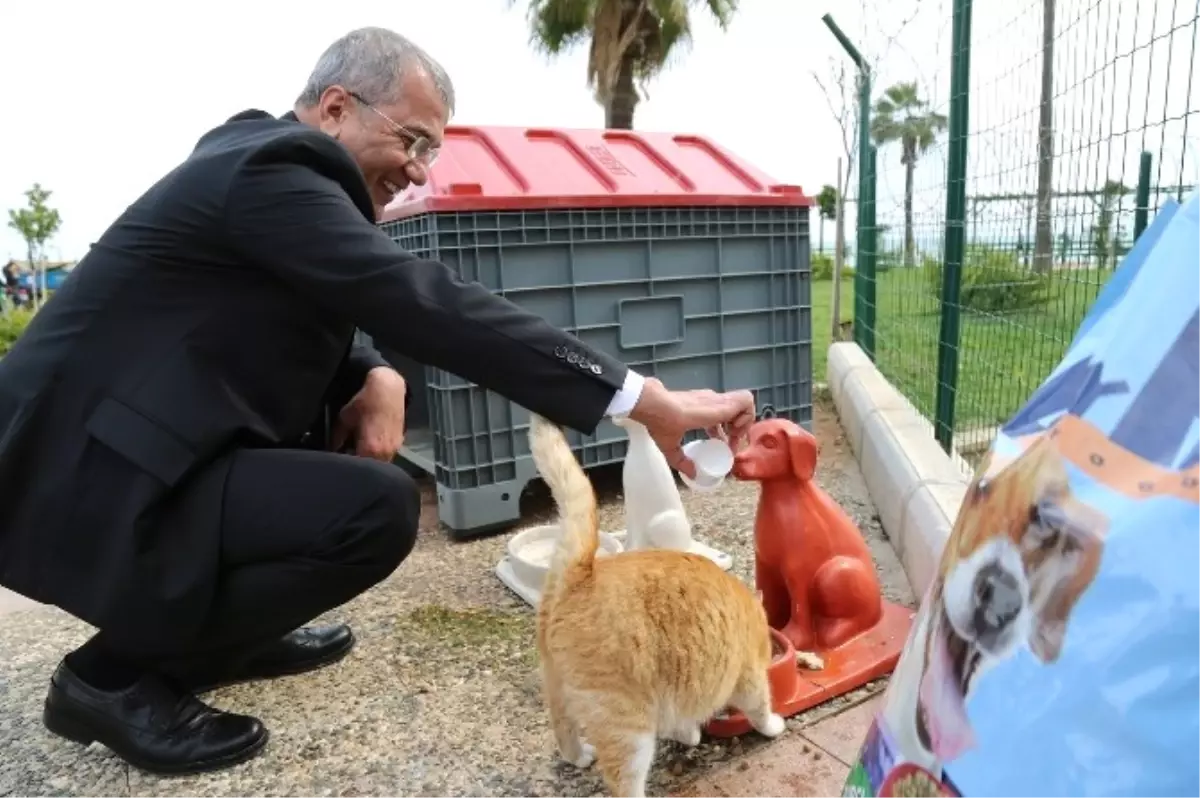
[916,486]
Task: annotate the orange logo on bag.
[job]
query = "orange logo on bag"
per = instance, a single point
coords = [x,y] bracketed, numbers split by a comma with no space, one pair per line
[1087,448]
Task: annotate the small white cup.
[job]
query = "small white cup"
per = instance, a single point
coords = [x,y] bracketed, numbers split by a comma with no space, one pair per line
[714,461]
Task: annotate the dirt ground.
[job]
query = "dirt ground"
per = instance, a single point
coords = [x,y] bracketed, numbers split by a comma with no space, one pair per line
[440,696]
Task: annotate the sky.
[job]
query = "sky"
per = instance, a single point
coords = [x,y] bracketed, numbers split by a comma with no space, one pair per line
[1125,81]
[118,92]
[125,87]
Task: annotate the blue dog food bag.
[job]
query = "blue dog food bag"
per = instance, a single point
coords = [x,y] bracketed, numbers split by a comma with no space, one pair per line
[1057,648]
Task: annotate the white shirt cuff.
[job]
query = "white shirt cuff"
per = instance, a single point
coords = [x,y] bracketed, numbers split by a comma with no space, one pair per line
[628,396]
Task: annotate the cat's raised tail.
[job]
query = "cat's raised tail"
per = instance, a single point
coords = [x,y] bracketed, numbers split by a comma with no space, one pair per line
[576,501]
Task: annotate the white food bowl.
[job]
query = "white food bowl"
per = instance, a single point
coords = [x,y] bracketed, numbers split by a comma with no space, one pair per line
[530,550]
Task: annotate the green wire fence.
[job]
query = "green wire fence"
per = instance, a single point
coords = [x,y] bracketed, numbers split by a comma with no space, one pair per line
[997,196]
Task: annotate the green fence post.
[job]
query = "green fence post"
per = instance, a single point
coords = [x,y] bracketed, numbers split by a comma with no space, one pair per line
[956,205]
[865,202]
[1142,212]
[865,287]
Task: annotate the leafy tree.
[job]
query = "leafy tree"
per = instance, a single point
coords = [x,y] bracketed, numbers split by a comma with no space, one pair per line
[827,209]
[37,223]
[631,41]
[901,115]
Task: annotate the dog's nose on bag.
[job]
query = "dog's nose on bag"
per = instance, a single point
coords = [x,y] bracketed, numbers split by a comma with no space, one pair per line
[999,599]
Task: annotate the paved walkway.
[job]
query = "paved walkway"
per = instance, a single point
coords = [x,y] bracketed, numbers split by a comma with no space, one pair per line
[810,761]
[814,760]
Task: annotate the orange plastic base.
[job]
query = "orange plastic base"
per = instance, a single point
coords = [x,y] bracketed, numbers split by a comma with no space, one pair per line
[853,664]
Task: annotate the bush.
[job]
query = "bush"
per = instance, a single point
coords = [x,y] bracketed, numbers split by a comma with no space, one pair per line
[822,267]
[12,324]
[887,260]
[993,281]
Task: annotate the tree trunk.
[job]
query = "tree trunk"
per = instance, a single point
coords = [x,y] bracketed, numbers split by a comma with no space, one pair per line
[820,234]
[1043,246]
[619,113]
[33,277]
[910,166]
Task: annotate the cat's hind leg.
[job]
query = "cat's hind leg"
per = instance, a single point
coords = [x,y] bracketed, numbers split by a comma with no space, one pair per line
[685,733]
[753,698]
[622,726]
[624,756]
[571,746]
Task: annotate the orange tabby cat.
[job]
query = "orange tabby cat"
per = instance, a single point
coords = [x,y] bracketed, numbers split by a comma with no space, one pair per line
[639,645]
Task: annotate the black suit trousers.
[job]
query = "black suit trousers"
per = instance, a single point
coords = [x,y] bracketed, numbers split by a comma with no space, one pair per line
[302,532]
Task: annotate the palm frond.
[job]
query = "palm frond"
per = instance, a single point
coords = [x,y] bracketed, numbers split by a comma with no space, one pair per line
[665,31]
[900,114]
[722,11]
[670,37]
[885,129]
[642,33]
[927,128]
[558,25]
[904,96]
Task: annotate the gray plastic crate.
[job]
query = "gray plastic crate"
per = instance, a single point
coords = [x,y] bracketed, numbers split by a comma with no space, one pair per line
[704,297]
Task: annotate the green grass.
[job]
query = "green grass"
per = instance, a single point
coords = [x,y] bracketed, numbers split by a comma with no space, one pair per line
[12,325]
[822,313]
[1003,357]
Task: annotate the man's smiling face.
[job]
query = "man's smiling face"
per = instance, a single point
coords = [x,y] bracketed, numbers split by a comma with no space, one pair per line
[391,140]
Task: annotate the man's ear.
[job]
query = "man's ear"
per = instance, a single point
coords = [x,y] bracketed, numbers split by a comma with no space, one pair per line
[333,108]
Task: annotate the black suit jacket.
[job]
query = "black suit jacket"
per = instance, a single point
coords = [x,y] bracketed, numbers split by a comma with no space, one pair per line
[218,312]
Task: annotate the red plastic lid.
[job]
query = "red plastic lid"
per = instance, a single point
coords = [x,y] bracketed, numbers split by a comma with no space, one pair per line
[512,168]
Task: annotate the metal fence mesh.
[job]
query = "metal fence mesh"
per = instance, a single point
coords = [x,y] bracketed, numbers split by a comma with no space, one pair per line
[1074,118]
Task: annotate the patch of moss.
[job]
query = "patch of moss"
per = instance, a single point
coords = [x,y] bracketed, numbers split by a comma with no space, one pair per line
[472,627]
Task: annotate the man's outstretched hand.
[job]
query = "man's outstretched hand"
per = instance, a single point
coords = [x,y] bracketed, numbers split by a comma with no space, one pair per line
[374,417]
[669,415]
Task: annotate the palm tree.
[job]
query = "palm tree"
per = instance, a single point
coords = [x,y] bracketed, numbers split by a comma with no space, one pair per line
[827,209]
[1043,246]
[631,41]
[901,115]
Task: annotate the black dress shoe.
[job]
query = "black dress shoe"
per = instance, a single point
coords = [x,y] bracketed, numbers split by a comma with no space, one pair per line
[300,651]
[153,724]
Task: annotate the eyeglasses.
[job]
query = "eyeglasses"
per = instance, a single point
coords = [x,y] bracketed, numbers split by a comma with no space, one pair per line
[420,148]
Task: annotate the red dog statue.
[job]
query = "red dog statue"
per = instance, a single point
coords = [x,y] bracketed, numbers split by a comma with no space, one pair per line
[812,566]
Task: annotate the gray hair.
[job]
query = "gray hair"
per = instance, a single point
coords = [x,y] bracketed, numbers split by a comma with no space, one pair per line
[372,62]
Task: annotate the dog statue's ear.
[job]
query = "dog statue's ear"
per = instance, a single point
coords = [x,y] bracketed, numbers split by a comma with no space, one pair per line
[802,447]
